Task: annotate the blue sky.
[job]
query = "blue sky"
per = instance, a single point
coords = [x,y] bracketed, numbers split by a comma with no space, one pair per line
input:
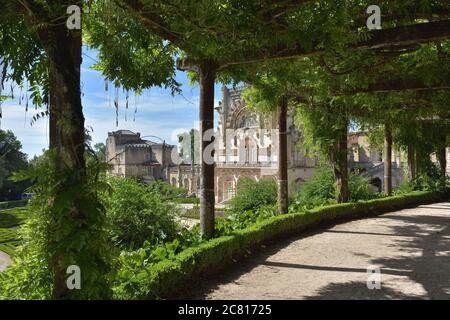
[158,112]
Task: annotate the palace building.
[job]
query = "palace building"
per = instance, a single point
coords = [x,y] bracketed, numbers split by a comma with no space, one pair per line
[245,146]
[128,155]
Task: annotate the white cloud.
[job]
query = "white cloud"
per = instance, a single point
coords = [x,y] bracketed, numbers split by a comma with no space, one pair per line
[148,103]
[158,113]
[102,126]
[33,137]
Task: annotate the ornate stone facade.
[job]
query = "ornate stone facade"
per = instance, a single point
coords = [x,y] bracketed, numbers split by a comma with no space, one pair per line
[246,146]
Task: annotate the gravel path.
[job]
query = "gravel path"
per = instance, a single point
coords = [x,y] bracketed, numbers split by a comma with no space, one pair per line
[5,261]
[411,247]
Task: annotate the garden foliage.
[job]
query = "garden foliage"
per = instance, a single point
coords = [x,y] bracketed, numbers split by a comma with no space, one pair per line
[253,194]
[142,278]
[137,213]
[321,189]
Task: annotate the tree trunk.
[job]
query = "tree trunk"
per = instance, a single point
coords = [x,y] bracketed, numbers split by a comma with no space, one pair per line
[75,219]
[417,162]
[442,163]
[387,159]
[192,148]
[411,163]
[441,157]
[340,165]
[207,201]
[67,136]
[51,115]
[282,157]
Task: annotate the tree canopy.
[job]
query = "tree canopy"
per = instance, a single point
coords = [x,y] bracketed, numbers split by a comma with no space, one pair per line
[12,159]
[316,58]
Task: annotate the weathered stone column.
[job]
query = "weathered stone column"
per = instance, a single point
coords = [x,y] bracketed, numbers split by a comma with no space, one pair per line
[207,201]
[387,159]
[282,157]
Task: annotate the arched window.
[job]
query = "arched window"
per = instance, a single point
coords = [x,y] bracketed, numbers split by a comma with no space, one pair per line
[248,121]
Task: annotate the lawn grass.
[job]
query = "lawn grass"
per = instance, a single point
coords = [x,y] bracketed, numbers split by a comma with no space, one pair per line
[9,235]
[194,213]
[13,204]
[191,200]
[12,217]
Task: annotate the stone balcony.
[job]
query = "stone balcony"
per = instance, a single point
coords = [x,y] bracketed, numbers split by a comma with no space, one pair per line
[237,164]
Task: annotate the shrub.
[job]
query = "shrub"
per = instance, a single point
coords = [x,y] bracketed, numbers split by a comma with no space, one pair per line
[321,190]
[253,194]
[317,191]
[30,276]
[430,178]
[137,213]
[403,188]
[427,182]
[241,220]
[360,188]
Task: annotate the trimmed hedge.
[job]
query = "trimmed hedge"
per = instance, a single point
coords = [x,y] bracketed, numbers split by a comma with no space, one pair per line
[165,278]
[192,200]
[13,204]
[10,238]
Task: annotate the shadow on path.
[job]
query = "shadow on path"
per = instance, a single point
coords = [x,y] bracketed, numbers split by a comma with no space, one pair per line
[430,269]
[428,235]
[232,273]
